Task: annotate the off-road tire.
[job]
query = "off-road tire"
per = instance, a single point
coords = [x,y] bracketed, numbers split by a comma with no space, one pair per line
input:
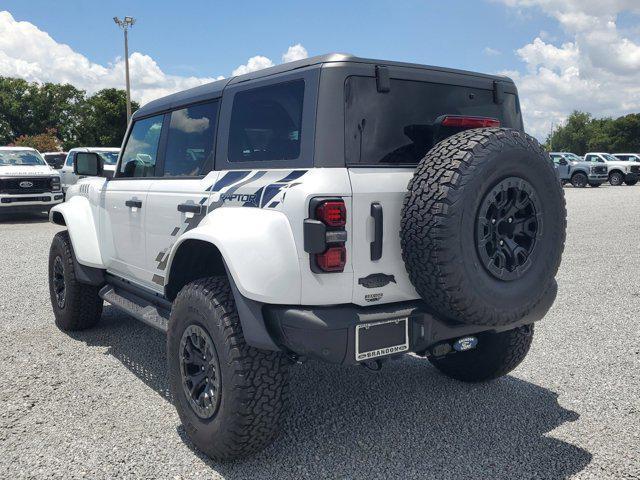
[438,226]
[594,185]
[496,355]
[254,384]
[82,307]
[630,183]
[616,179]
[579,180]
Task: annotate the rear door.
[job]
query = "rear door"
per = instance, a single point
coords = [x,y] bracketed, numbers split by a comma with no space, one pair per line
[386,134]
[178,199]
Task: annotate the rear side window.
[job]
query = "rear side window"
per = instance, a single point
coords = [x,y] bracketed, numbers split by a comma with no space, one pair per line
[141,151]
[399,127]
[190,141]
[266,123]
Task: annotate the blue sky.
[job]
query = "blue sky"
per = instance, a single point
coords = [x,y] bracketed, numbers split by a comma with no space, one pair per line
[563,54]
[212,38]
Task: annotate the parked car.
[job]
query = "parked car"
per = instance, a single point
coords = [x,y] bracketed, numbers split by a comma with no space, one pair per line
[109,157]
[619,171]
[263,219]
[55,159]
[572,168]
[27,182]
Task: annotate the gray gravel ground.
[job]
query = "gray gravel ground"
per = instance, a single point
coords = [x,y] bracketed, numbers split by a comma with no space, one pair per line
[95,404]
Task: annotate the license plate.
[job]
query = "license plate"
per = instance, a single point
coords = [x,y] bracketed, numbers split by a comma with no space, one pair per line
[379,339]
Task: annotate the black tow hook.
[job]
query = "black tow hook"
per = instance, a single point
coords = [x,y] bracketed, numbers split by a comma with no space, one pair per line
[373,365]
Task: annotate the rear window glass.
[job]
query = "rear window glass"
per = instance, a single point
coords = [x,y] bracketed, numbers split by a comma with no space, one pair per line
[266,123]
[190,141]
[399,127]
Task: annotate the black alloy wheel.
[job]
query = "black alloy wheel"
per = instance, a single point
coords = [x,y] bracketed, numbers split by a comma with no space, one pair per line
[59,285]
[508,224]
[200,371]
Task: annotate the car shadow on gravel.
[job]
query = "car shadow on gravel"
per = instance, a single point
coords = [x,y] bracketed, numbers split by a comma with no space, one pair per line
[406,421]
[23,218]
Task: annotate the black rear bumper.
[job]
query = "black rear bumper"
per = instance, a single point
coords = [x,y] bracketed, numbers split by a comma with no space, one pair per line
[328,333]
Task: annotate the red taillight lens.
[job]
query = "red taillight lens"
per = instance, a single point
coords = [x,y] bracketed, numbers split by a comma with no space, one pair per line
[469,122]
[332,260]
[332,213]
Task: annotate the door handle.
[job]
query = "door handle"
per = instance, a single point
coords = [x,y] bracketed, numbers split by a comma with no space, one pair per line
[190,208]
[133,203]
[376,245]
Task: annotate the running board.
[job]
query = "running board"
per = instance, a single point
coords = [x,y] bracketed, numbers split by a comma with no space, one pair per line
[137,307]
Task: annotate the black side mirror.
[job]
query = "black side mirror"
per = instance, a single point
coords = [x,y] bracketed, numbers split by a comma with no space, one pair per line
[562,161]
[87,164]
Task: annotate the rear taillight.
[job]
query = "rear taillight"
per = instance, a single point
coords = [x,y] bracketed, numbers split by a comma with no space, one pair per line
[461,121]
[332,213]
[333,259]
[325,235]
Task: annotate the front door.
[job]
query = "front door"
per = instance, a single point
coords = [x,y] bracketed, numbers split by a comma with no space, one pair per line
[125,203]
[177,201]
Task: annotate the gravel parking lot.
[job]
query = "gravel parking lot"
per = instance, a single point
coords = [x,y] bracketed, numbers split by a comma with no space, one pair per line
[96,404]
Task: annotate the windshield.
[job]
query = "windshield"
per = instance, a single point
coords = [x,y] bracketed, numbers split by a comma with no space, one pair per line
[20,157]
[610,158]
[572,157]
[110,158]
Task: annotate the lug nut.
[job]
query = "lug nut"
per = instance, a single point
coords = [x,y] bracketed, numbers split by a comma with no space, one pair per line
[510,220]
[493,220]
[501,242]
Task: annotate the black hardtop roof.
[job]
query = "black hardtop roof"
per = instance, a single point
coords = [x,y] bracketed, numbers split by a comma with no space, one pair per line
[214,89]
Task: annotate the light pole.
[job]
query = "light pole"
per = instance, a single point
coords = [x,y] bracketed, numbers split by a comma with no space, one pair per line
[126,24]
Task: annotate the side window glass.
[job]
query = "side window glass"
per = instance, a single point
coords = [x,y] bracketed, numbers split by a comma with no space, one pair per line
[139,156]
[69,161]
[266,123]
[190,141]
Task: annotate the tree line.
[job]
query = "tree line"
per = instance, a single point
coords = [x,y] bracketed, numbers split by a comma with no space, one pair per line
[582,133]
[51,116]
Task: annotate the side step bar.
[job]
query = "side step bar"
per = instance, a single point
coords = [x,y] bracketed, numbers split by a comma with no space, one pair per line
[139,308]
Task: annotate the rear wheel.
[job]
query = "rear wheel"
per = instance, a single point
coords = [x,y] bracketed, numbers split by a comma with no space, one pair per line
[495,355]
[630,182]
[579,180]
[231,398]
[483,227]
[616,179]
[76,306]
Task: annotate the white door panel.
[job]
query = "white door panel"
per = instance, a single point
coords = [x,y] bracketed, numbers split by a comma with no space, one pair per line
[123,229]
[165,223]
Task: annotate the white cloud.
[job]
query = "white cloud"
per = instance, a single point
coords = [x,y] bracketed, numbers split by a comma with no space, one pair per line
[255,63]
[491,52]
[32,54]
[294,52]
[598,71]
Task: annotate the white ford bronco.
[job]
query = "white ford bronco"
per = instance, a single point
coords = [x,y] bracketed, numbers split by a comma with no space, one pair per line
[335,208]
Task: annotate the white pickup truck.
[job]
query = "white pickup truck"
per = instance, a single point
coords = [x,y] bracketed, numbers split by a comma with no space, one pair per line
[27,182]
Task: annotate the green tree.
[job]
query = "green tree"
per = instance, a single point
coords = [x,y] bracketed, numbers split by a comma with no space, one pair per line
[104,118]
[33,108]
[573,136]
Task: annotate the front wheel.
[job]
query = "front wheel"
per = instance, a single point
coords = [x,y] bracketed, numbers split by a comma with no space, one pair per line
[76,306]
[630,182]
[616,179]
[579,180]
[231,398]
[495,355]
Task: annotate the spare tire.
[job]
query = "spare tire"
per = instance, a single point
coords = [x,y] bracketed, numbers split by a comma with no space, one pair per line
[483,227]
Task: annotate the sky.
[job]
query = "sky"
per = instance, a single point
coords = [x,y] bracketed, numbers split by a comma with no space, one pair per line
[563,54]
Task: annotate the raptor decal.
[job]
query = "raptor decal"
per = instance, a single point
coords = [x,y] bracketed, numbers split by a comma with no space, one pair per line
[227,187]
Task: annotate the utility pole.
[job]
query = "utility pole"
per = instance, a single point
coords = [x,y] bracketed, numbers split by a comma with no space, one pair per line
[126,24]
